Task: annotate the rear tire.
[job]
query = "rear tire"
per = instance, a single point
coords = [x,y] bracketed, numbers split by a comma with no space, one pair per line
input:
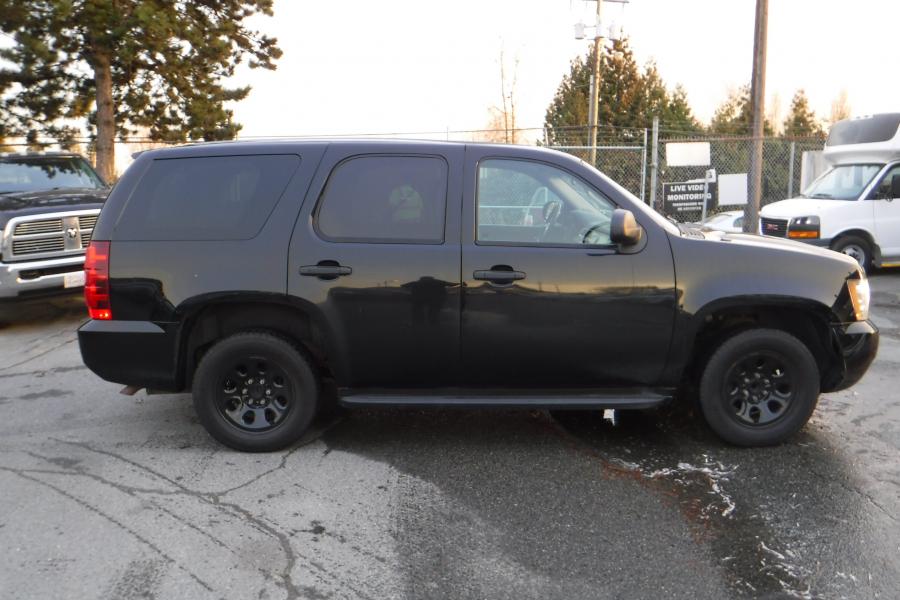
[759,388]
[255,392]
[857,248]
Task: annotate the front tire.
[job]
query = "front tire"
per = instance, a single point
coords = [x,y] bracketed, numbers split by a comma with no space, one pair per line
[856,248]
[255,392]
[759,388]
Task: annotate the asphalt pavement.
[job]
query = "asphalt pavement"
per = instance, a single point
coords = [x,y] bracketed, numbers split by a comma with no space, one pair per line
[110,496]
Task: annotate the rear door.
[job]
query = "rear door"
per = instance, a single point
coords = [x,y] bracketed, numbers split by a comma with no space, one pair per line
[376,253]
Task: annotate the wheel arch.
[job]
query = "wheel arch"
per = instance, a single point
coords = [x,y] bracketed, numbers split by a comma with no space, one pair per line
[208,321]
[807,320]
[859,232]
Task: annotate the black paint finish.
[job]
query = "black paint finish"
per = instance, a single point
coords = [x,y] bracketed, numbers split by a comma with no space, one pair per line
[406,316]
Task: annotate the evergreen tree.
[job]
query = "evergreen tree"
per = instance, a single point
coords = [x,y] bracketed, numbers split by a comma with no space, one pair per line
[629,98]
[801,120]
[124,65]
[734,116]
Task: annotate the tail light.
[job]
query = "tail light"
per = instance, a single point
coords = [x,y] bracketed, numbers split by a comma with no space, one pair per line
[96,281]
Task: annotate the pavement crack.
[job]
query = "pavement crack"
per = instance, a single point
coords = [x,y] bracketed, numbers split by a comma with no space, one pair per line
[90,507]
[38,355]
[41,372]
[214,499]
[315,437]
[858,492]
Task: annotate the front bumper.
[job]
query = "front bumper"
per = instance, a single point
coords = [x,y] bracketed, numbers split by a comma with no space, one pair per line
[37,277]
[857,345]
[138,353]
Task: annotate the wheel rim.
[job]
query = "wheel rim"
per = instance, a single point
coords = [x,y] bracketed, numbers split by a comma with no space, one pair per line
[255,394]
[759,389]
[856,252]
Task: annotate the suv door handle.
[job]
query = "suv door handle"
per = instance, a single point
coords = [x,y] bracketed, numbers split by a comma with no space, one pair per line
[326,269]
[499,274]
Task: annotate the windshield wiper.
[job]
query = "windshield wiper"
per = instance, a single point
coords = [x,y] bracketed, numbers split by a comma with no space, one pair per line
[821,195]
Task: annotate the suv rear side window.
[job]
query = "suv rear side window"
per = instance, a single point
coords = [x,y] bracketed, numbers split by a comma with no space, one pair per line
[386,199]
[206,198]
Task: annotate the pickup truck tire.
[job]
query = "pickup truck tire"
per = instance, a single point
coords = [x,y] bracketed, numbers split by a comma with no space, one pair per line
[759,387]
[857,248]
[255,392]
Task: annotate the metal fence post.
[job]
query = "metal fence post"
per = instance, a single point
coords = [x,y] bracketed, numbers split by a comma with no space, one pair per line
[644,167]
[790,193]
[654,161]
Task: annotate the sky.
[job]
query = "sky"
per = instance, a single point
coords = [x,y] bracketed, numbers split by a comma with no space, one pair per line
[403,66]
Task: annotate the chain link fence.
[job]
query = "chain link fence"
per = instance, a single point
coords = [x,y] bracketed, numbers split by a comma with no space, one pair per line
[782,169]
[623,154]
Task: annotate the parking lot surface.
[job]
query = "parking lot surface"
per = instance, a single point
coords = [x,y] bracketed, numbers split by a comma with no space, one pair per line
[109,496]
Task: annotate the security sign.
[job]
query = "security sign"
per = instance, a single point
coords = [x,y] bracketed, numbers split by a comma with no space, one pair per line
[687,198]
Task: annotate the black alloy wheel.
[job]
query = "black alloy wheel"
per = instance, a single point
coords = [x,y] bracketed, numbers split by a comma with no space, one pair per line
[255,392]
[759,387]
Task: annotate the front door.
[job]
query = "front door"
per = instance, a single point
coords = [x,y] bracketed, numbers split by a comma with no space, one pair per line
[886,212]
[548,300]
[376,252]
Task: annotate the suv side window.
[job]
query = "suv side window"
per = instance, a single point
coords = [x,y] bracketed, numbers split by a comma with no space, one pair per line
[883,191]
[528,202]
[385,199]
[206,198]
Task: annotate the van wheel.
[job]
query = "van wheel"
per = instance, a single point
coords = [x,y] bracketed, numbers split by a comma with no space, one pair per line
[759,388]
[856,248]
[255,392]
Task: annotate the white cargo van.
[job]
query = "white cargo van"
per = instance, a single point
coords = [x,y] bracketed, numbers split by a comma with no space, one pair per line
[854,206]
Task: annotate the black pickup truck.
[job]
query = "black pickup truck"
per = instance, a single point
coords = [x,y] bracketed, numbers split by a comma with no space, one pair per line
[449,274]
[49,203]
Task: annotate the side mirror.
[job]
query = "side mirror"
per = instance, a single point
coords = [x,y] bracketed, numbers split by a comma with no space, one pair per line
[624,229]
[895,186]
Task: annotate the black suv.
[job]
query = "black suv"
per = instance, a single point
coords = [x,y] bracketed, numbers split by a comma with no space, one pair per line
[49,203]
[255,274]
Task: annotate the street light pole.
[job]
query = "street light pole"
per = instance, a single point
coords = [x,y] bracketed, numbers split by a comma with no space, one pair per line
[594,108]
[757,100]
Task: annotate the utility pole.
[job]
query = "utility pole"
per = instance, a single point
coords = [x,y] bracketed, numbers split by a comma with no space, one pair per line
[594,109]
[654,164]
[757,100]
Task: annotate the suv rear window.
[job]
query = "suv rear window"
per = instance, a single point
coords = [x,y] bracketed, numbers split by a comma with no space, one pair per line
[387,199]
[206,198]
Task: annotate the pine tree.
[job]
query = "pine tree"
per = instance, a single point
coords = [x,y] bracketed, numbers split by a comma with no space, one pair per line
[124,65]
[734,116]
[801,120]
[629,98]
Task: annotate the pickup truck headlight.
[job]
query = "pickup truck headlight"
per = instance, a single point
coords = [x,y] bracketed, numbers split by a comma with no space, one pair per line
[804,228]
[859,296]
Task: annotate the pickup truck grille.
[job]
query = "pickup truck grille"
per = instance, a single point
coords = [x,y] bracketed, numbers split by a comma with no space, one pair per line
[48,236]
[42,226]
[38,246]
[774,227]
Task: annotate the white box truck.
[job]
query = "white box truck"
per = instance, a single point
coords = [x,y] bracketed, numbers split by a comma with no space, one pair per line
[854,206]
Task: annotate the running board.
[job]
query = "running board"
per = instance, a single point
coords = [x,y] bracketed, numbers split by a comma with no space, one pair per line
[527,399]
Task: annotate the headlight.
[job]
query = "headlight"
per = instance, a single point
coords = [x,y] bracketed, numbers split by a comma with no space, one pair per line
[859,296]
[804,228]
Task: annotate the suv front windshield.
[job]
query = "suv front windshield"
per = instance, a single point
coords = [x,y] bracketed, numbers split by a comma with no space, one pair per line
[843,182]
[40,173]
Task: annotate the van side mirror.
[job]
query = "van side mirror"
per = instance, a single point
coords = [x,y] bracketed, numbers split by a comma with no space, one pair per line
[624,229]
[895,186]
